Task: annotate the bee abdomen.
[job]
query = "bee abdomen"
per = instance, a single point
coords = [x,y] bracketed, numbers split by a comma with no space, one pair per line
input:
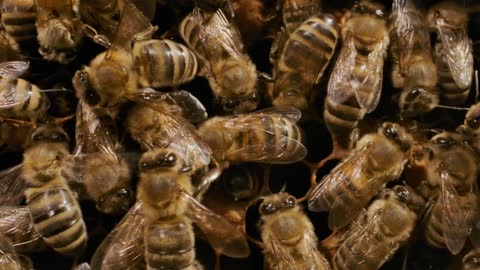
[310,47]
[58,219]
[353,252]
[345,193]
[164,63]
[434,228]
[341,119]
[190,34]
[19,21]
[170,245]
[451,93]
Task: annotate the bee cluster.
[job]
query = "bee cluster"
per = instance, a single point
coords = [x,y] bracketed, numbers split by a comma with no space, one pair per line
[288,134]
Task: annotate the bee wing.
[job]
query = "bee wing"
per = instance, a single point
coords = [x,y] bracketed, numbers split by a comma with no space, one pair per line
[458,52]
[9,96]
[13,69]
[60,6]
[17,221]
[93,132]
[131,23]
[147,7]
[454,218]
[291,113]
[340,88]
[180,103]
[123,248]
[8,254]
[17,6]
[221,234]
[12,186]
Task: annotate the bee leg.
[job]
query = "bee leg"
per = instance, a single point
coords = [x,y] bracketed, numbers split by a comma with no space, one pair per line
[147,34]
[217,260]
[254,241]
[265,77]
[208,179]
[62,120]
[97,38]
[17,122]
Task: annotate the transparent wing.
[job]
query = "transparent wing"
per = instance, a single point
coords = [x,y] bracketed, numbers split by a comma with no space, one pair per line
[409,30]
[454,218]
[147,7]
[9,94]
[123,248]
[340,87]
[95,131]
[60,6]
[222,235]
[458,52]
[13,69]
[291,113]
[9,258]
[277,146]
[180,103]
[132,22]
[16,223]
[12,186]
[369,88]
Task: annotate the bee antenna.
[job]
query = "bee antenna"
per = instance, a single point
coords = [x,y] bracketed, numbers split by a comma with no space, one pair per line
[452,108]
[475,74]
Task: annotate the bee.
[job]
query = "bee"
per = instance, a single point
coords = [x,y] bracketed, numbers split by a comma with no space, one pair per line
[243,182]
[104,15]
[355,85]
[453,51]
[59,29]
[20,99]
[105,174]
[53,207]
[169,127]
[17,225]
[230,72]
[376,159]
[378,233]
[18,18]
[9,259]
[452,188]
[115,76]
[288,235]
[159,226]
[268,136]
[413,71]
[303,59]
[471,260]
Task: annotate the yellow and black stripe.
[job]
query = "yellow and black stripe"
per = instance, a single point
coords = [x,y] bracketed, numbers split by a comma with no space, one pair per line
[19,21]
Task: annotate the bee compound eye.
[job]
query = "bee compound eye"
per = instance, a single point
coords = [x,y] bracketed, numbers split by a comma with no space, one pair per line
[267,208]
[289,202]
[125,193]
[473,123]
[230,104]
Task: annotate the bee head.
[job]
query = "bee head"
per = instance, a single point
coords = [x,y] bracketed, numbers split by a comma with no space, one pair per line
[446,139]
[52,134]
[397,134]
[410,198]
[116,202]
[277,202]
[417,101]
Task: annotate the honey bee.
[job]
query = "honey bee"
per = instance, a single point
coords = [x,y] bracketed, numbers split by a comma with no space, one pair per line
[453,51]
[159,226]
[229,70]
[268,136]
[17,225]
[169,127]
[303,58]
[376,159]
[105,173]
[18,98]
[59,29]
[288,235]
[18,18]
[355,85]
[471,260]
[378,233]
[54,209]
[115,76]
[414,71]
[9,259]
[104,15]
[452,188]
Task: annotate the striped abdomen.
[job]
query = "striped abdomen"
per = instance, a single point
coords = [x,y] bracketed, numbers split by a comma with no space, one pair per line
[164,63]
[58,218]
[304,58]
[19,18]
[272,134]
[342,118]
[32,100]
[450,92]
[434,227]
[170,244]
[295,12]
